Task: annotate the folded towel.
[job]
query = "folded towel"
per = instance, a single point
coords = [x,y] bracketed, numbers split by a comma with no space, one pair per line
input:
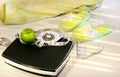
[23,11]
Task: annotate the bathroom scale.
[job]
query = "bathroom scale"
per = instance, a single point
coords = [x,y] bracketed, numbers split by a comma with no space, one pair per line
[46,60]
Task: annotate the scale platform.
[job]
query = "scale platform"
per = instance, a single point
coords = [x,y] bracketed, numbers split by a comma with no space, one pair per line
[47,60]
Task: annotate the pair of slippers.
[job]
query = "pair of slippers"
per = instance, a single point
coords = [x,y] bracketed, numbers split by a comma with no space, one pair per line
[82,29]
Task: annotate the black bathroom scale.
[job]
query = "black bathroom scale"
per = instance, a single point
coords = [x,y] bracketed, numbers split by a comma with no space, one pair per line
[47,60]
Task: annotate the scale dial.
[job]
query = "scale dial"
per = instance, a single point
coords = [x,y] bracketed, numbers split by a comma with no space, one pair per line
[49,36]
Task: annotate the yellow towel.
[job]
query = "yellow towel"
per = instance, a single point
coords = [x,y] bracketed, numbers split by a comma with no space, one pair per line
[23,11]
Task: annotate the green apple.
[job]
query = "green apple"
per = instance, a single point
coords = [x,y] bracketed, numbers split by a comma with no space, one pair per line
[28,36]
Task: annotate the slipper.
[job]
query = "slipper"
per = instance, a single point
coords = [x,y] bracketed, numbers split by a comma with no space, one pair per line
[76,17]
[74,20]
[103,30]
[87,32]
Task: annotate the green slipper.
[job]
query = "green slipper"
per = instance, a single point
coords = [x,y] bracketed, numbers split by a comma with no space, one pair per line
[103,30]
[72,20]
[86,32]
